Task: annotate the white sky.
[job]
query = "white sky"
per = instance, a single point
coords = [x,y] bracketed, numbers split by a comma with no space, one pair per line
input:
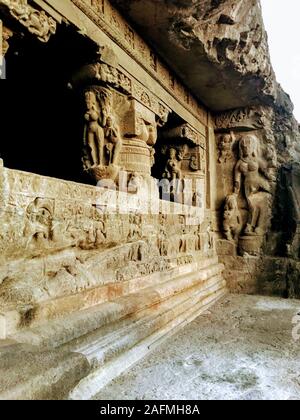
[282,21]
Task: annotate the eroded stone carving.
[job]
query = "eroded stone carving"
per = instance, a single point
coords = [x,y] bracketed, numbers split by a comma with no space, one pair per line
[102,140]
[249,118]
[37,22]
[232,220]
[291,178]
[173,167]
[112,22]
[252,172]
[38,227]
[225,147]
[94,134]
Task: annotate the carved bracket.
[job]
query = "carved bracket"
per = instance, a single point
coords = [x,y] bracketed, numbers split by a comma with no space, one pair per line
[36,21]
[242,119]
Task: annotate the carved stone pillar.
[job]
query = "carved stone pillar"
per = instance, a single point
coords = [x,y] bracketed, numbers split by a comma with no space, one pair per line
[120,122]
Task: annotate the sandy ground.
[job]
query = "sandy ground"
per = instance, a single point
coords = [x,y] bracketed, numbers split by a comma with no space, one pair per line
[242,348]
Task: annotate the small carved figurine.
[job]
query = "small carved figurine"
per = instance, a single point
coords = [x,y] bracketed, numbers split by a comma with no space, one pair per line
[93,133]
[173,167]
[225,148]
[113,141]
[194,163]
[232,222]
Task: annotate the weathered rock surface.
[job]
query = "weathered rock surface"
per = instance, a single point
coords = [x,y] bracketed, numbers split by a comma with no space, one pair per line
[218,47]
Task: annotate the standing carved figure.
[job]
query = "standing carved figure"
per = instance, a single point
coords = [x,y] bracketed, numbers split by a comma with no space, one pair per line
[93,132]
[232,221]
[253,172]
[113,141]
[173,167]
[39,223]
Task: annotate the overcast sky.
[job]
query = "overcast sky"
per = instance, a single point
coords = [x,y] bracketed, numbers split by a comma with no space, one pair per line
[282,21]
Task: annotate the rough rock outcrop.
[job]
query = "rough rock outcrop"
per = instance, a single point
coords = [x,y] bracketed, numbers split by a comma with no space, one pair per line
[218,47]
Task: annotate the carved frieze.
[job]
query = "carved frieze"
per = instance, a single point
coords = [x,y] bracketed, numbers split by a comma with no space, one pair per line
[48,225]
[242,118]
[36,21]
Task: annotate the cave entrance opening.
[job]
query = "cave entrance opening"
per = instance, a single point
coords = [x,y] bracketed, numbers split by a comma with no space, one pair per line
[41,119]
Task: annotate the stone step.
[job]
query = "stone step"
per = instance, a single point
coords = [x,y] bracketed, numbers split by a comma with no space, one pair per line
[29,374]
[58,332]
[101,346]
[116,364]
[80,369]
[24,318]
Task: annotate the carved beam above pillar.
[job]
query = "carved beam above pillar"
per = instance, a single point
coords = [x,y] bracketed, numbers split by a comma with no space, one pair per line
[36,21]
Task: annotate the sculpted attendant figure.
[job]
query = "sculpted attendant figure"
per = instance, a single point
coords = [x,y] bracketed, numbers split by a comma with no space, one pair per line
[232,220]
[114,141]
[253,172]
[225,148]
[93,132]
[173,167]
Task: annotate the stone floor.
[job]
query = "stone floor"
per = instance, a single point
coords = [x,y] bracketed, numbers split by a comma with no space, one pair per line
[241,349]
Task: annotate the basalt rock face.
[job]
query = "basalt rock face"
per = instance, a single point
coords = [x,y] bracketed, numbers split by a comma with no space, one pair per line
[218,47]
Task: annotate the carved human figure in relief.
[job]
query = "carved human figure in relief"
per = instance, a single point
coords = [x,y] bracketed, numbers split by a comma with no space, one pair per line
[173,167]
[225,148]
[194,163]
[38,225]
[232,221]
[93,133]
[252,171]
[113,141]
[41,25]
